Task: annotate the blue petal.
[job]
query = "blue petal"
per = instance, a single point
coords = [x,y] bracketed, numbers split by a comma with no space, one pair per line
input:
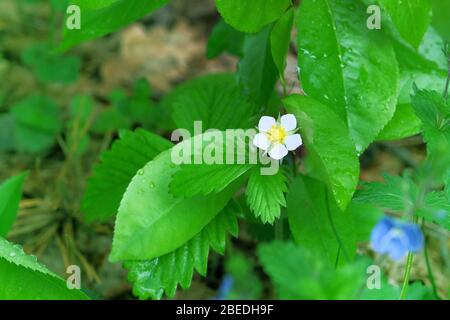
[378,234]
[414,235]
[398,248]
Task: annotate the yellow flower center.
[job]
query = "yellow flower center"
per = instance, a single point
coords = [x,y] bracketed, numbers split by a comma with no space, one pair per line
[277,134]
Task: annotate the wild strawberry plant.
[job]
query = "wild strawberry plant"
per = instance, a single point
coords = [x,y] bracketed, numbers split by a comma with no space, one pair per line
[173,205]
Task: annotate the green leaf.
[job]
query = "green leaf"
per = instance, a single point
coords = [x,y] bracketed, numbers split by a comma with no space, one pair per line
[117,167]
[149,214]
[347,66]
[434,112]
[23,278]
[365,217]
[208,99]
[265,195]
[224,38]
[37,123]
[246,282]
[317,223]
[280,39]
[111,120]
[299,273]
[257,73]
[7,139]
[205,179]
[426,68]
[10,195]
[251,15]
[396,193]
[50,67]
[329,146]
[436,209]
[101,17]
[441,11]
[411,18]
[151,278]
[404,124]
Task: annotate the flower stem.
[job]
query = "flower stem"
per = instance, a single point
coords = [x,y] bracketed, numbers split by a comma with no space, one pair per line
[406,275]
[427,261]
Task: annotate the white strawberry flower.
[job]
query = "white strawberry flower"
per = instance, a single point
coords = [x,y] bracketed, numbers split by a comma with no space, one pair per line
[277,137]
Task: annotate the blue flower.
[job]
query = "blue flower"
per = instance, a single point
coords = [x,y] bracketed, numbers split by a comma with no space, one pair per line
[396,238]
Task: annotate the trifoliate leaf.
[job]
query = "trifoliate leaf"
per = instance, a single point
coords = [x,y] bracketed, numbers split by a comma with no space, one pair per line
[23,278]
[265,195]
[151,278]
[10,194]
[149,214]
[117,167]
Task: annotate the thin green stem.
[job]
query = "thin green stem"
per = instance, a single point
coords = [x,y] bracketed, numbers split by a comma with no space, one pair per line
[427,261]
[406,275]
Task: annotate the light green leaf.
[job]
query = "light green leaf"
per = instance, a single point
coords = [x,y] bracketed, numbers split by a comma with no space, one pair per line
[404,124]
[205,179]
[208,99]
[151,278]
[10,194]
[265,195]
[251,15]
[280,39]
[23,278]
[329,146]
[224,38]
[317,223]
[101,17]
[347,66]
[118,166]
[411,18]
[257,73]
[149,214]
[37,123]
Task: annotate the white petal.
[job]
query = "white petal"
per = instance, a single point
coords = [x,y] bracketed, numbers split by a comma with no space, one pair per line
[288,122]
[265,123]
[293,141]
[261,141]
[278,152]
